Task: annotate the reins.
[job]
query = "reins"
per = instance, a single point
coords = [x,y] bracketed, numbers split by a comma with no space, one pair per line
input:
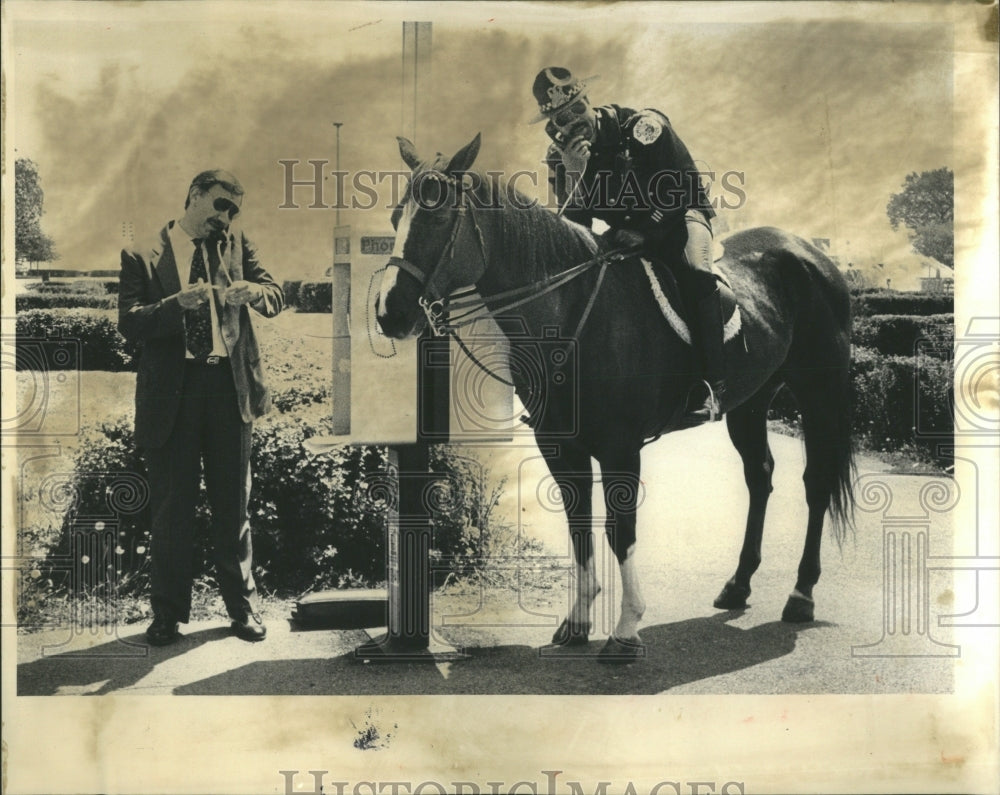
[441,326]
[471,307]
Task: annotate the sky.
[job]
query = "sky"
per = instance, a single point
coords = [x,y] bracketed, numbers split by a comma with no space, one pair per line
[120,106]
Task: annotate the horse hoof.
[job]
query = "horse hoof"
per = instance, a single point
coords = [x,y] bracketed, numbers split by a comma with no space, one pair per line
[732,597]
[572,634]
[798,610]
[621,652]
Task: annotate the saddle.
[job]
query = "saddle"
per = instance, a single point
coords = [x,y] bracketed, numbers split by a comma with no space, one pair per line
[668,297]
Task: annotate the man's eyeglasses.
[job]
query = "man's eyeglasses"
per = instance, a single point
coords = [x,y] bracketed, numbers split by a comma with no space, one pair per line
[568,114]
[224,205]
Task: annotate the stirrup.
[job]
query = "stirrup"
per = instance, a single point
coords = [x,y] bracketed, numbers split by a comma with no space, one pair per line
[711,410]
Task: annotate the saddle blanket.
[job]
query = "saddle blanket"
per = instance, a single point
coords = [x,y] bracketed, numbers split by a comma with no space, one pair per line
[667,296]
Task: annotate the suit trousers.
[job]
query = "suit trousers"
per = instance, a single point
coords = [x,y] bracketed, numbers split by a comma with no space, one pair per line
[208,431]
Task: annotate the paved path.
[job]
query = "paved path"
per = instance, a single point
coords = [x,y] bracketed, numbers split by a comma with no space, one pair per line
[691,524]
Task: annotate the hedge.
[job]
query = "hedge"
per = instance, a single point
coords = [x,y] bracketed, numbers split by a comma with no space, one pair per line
[71,339]
[59,300]
[897,335]
[899,402]
[290,287]
[902,401]
[887,302]
[85,286]
[315,297]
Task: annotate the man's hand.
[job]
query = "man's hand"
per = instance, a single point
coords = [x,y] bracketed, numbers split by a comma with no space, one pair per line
[628,238]
[575,154]
[194,295]
[242,292]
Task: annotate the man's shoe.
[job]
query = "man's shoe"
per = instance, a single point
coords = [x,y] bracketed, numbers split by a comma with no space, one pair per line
[162,632]
[250,628]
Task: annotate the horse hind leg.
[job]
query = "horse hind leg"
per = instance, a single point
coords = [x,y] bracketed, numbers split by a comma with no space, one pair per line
[827,480]
[747,425]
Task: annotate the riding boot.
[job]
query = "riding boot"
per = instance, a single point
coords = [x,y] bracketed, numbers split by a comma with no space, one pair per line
[708,329]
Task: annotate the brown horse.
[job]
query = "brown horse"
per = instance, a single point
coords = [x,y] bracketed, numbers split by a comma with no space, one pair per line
[630,372]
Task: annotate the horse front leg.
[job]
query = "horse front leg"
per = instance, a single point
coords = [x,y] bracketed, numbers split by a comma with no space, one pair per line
[571,470]
[620,477]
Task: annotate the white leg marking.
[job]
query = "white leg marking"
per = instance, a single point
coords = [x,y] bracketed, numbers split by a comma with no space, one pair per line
[633,605]
[587,588]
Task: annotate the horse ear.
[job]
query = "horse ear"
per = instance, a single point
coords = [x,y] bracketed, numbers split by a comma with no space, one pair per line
[465,157]
[408,152]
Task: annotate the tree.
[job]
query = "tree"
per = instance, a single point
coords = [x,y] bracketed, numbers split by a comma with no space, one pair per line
[926,206]
[30,243]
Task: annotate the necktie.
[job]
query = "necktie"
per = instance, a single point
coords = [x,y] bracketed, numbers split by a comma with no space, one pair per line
[198,321]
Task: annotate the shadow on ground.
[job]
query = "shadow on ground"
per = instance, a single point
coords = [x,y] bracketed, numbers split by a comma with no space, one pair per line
[106,668]
[676,654]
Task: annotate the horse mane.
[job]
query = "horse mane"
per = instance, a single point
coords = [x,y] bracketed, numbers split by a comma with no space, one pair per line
[544,243]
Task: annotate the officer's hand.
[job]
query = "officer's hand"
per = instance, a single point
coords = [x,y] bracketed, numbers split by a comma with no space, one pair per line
[194,295]
[242,292]
[576,153]
[628,238]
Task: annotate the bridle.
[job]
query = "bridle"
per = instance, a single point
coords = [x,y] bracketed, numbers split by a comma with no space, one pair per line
[439,307]
[433,301]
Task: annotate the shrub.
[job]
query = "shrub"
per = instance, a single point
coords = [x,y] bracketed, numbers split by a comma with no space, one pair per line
[105,530]
[315,297]
[60,300]
[291,290]
[897,335]
[101,347]
[901,401]
[887,302]
[315,518]
[318,521]
[307,393]
[76,286]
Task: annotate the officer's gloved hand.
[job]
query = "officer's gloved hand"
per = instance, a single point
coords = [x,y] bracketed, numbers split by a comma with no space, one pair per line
[626,238]
[576,154]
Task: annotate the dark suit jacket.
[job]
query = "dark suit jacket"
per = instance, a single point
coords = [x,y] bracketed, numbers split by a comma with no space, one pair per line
[150,315]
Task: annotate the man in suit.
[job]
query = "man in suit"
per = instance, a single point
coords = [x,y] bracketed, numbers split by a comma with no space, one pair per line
[185,300]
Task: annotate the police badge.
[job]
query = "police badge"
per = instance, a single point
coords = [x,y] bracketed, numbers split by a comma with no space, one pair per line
[647,130]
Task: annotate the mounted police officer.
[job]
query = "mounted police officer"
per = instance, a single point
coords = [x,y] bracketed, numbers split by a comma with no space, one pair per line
[631,170]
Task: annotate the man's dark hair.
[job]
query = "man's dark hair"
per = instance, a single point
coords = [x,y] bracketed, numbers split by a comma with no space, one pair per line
[206,180]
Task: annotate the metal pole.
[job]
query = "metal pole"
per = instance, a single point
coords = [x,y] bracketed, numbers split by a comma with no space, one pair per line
[338,125]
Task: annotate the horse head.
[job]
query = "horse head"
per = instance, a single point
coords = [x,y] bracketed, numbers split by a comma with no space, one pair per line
[438,246]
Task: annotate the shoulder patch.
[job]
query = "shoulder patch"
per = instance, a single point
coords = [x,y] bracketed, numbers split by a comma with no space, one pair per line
[646,130]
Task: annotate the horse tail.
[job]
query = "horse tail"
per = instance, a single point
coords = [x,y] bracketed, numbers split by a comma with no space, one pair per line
[842,471]
[821,380]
